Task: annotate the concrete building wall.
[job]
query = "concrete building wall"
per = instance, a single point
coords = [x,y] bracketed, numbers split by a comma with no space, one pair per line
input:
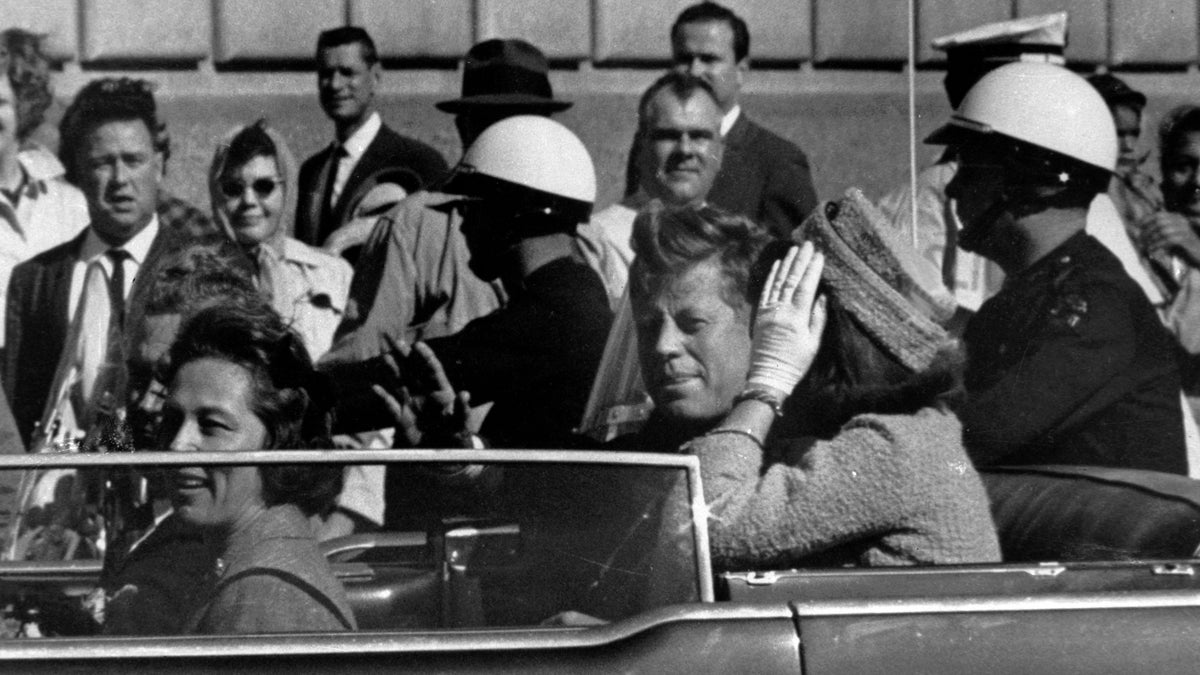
[227,46]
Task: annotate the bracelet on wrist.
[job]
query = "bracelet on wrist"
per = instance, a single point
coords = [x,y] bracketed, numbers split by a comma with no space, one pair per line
[746,433]
[762,396]
[469,440]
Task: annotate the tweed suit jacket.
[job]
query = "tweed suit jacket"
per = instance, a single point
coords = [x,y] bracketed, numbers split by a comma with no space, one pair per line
[419,164]
[763,176]
[36,324]
[279,540]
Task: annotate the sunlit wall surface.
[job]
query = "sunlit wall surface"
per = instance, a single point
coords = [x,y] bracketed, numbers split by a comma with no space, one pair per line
[228,35]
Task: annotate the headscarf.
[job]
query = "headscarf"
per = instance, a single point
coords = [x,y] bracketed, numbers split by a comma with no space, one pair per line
[285,162]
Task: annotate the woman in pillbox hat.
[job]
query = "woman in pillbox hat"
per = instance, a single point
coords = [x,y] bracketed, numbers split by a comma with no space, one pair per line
[865,464]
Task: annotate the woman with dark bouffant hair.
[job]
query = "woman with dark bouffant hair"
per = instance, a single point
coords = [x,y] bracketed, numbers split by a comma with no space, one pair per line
[239,379]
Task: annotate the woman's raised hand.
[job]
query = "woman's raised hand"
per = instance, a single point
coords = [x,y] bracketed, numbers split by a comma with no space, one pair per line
[790,320]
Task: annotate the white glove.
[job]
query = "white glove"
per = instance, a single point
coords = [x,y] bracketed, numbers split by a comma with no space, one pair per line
[791,318]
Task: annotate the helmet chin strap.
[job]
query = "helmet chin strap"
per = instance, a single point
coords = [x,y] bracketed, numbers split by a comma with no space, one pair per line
[1020,198]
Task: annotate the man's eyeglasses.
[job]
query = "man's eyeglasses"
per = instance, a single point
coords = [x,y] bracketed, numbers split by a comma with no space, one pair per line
[263,187]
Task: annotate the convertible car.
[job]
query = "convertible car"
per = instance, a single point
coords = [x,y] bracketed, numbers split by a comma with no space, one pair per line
[600,564]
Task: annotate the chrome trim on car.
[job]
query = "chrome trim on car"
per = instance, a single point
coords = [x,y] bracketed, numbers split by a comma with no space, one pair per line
[74,459]
[55,568]
[1173,569]
[1051,602]
[496,639]
[700,527]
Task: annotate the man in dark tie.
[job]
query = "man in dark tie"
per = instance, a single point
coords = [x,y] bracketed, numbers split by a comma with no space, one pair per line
[114,156]
[763,176]
[348,73]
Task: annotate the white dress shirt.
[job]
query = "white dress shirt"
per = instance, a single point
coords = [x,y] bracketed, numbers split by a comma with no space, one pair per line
[94,250]
[730,118]
[354,146]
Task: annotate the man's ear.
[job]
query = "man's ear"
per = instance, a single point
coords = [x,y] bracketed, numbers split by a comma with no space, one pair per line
[743,67]
[377,72]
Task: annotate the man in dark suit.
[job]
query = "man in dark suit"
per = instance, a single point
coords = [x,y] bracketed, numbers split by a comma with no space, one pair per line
[117,161]
[347,74]
[763,176]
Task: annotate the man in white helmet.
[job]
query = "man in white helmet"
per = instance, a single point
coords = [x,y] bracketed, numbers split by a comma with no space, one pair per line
[527,183]
[971,54]
[411,281]
[1068,363]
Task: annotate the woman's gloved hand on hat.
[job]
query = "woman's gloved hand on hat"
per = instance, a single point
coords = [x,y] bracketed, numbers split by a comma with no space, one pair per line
[790,319]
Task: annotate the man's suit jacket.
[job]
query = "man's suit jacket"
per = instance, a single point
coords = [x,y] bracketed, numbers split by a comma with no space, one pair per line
[37,324]
[415,165]
[153,589]
[763,176]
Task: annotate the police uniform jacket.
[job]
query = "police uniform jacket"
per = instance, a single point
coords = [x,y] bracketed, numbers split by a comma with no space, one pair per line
[535,358]
[1069,364]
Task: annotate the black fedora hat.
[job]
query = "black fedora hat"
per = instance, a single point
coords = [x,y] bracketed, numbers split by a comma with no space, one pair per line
[505,73]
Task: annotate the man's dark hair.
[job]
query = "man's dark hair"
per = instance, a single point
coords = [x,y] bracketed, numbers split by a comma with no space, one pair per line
[711,11]
[345,35]
[110,99]
[29,74]
[683,85]
[670,240]
[291,399]
[201,272]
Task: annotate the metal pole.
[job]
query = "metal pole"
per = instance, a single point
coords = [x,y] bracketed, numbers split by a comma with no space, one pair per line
[912,118]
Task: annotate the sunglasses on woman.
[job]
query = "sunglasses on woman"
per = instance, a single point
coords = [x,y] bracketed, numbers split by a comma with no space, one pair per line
[263,187]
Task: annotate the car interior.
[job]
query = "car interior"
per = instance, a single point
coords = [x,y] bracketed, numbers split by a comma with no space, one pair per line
[631,549]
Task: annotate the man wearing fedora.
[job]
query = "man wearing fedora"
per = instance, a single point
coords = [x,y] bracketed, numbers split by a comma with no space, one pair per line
[347,74]
[412,281]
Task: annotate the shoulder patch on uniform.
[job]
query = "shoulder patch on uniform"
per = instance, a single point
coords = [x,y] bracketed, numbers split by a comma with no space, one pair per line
[1069,310]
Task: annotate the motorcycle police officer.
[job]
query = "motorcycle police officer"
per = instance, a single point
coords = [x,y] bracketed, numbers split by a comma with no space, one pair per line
[528,182]
[1068,363]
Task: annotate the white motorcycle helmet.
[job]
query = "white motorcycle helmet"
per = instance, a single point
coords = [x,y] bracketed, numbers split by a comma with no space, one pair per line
[1053,110]
[529,165]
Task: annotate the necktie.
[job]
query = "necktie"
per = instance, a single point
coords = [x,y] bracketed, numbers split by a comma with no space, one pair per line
[325,224]
[331,172]
[93,324]
[338,175]
[116,283]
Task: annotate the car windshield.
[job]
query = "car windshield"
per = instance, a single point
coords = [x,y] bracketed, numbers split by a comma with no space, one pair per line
[477,539]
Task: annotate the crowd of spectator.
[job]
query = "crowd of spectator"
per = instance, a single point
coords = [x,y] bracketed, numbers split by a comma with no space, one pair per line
[838,368]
